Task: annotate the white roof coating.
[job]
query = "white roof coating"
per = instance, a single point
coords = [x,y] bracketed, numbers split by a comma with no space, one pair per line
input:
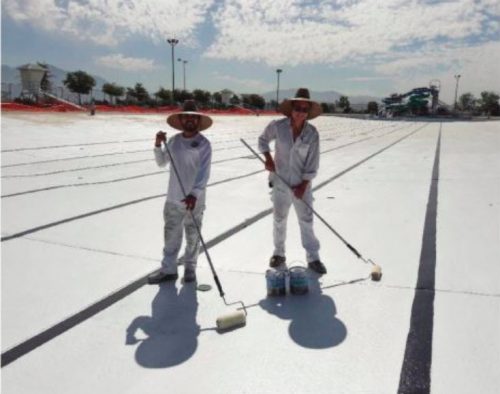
[82,227]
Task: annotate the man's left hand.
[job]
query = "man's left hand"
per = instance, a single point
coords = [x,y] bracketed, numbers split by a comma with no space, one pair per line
[300,189]
[190,202]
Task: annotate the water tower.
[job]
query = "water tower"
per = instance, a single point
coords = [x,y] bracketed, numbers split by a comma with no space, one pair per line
[31,78]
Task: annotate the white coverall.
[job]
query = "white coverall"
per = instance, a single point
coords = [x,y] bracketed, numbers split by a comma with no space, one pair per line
[192,158]
[294,162]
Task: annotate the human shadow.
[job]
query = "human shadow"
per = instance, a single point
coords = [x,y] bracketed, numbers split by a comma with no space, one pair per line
[313,317]
[171,332]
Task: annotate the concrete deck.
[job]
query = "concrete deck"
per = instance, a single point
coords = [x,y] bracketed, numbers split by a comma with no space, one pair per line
[82,228]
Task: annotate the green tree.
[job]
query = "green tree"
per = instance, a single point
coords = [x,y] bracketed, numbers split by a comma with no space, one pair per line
[113,91]
[325,108]
[345,104]
[372,107]
[257,101]
[201,96]
[79,82]
[217,97]
[140,93]
[235,100]
[489,103]
[164,95]
[467,102]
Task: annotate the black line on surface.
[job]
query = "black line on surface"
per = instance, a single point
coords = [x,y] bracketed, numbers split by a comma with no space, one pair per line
[416,369]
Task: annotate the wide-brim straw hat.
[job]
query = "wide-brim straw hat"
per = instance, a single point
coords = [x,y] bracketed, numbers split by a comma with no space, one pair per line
[302,95]
[189,108]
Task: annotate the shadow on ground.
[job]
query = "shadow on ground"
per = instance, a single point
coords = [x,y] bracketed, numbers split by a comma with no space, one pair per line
[170,335]
[313,317]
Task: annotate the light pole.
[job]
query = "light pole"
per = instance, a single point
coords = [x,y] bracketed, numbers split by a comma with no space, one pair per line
[173,42]
[457,77]
[278,72]
[183,70]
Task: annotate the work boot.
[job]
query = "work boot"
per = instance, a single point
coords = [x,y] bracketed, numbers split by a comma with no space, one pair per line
[189,275]
[159,277]
[317,266]
[276,261]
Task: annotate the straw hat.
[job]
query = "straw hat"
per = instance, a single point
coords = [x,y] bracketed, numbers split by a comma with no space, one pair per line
[189,108]
[302,95]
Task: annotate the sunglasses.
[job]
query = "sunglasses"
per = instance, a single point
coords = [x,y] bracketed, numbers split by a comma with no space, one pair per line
[300,108]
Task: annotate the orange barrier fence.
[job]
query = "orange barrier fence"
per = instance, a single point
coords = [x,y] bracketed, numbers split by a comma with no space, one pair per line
[61,107]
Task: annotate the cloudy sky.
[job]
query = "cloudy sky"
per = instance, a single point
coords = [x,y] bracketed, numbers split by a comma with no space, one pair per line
[372,47]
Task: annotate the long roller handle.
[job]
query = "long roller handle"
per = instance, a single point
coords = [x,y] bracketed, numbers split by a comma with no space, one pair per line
[205,249]
[351,248]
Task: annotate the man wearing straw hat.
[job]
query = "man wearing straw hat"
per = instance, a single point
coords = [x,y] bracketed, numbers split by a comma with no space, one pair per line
[296,161]
[191,154]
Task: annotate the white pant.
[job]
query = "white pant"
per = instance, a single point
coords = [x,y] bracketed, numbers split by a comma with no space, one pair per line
[283,198]
[177,219]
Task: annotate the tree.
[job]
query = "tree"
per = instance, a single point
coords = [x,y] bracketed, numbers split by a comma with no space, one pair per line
[140,93]
[113,90]
[235,100]
[164,95]
[202,97]
[217,97]
[489,103]
[372,107]
[345,104]
[467,102]
[324,108]
[79,82]
[183,96]
[257,101]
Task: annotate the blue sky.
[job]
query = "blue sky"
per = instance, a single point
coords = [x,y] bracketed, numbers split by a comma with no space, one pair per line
[372,47]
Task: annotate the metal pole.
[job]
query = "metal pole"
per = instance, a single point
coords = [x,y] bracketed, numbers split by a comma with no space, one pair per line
[457,77]
[173,42]
[278,72]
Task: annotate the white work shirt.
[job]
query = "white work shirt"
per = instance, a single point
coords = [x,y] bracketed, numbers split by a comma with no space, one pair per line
[192,158]
[294,161]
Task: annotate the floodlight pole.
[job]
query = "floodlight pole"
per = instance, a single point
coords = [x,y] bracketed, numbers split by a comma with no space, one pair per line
[457,77]
[184,62]
[278,72]
[173,42]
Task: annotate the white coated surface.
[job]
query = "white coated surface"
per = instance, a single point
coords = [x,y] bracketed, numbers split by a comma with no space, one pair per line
[342,337]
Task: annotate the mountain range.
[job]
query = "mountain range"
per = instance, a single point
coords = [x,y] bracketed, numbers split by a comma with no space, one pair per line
[322,97]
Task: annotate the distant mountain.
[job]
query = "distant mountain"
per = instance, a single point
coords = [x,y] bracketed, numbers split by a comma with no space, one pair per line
[322,97]
[57,76]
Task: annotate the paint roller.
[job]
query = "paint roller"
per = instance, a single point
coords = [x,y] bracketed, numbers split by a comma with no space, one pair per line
[231,320]
[376,272]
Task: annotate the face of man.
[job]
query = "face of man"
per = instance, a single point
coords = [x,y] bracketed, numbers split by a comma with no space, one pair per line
[300,110]
[190,123]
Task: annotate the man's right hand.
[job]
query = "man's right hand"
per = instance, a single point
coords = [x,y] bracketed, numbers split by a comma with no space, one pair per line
[161,136]
[269,164]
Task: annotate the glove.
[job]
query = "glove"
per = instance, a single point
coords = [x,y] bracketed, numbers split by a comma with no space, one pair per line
[300,189]
[161,136]
[190,202]
[269,163]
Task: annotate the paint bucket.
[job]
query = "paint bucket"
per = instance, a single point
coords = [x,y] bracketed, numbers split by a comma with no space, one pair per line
[276,282]
[299,283]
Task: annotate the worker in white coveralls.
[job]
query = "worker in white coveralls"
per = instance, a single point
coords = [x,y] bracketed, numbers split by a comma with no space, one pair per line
[296,160]
[192,154]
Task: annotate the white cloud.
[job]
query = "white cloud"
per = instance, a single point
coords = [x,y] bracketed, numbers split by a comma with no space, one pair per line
[112,21]
[120,62]
[243,83]
[292,32]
